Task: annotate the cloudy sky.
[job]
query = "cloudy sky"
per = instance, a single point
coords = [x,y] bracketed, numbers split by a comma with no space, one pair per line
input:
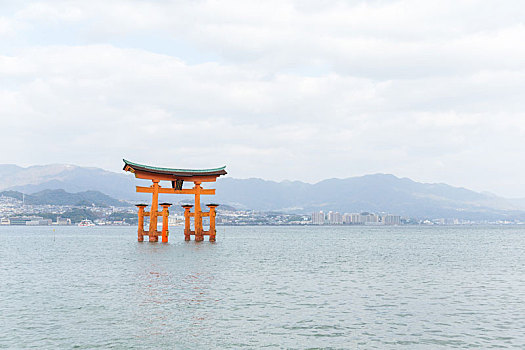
[299,90]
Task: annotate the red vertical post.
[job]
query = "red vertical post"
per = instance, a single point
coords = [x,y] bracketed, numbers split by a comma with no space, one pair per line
[187,228]
[165,214]
[198,217]
[212,221]
[141,222]
[154,212]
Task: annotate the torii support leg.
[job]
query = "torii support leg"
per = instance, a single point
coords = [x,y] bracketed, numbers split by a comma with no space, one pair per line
[141,222]
[199,237]
[187,228]
[165,215]
[212,221]
[154,213]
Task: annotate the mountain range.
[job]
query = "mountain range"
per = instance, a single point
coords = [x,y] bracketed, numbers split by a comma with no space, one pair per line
[373,193]
[70,178]
[61,197]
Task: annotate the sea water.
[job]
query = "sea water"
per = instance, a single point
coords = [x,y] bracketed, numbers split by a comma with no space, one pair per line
[272,287]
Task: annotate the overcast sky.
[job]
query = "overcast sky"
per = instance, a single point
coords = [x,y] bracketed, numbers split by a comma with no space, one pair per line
[298,90]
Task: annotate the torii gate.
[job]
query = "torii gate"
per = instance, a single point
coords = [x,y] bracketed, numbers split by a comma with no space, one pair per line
[177,178]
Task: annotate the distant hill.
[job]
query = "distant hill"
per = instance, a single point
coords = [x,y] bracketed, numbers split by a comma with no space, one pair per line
[373,193]
[61,197]
[70,178]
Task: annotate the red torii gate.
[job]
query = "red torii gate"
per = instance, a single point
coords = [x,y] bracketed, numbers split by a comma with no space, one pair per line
[177,178]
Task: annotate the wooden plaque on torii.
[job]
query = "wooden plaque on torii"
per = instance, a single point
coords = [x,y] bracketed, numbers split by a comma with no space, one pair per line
[176,177]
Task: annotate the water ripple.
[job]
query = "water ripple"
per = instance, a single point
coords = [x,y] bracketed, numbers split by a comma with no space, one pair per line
[264,287]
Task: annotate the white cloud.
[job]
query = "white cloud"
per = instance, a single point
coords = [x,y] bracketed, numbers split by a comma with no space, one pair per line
[49,12]
[5,26]
[297,90]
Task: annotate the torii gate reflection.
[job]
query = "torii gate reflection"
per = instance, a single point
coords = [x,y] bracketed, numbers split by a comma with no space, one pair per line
[177,178]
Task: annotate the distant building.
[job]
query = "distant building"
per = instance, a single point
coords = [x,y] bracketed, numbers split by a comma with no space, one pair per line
[176,220]
[335,218]
[352,219]
[29,221]
[391,219]
[369,218]
[38,221]
[19,220]
[318,218]
[63,221]
[440,221]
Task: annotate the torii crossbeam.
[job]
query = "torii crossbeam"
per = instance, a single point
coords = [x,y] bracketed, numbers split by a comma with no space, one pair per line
[177,178]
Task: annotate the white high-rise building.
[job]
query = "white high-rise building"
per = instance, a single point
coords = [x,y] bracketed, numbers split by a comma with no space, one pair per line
[369,219]
[318,218]
[392,219]
[352,219]
[335,218]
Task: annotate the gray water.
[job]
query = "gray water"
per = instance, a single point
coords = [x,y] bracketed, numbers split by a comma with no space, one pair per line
[273,287]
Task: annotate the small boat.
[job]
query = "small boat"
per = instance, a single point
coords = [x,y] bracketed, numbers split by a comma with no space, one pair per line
[85,223]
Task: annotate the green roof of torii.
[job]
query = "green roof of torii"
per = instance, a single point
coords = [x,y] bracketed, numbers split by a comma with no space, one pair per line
[175,172]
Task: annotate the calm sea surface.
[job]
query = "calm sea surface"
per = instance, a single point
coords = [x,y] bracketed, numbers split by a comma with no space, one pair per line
[273,287]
